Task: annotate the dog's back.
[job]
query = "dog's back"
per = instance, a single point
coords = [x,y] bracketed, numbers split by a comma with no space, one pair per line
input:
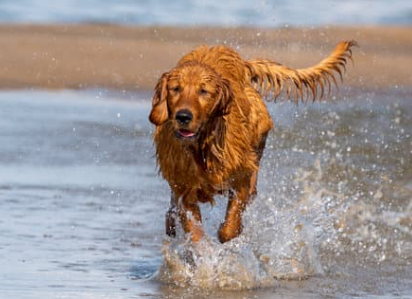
[224,60]
[249,104]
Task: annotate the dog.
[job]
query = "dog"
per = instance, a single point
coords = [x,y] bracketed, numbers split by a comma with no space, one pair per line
[212,123]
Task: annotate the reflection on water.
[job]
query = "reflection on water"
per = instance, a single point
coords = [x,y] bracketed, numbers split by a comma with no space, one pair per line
[82,207]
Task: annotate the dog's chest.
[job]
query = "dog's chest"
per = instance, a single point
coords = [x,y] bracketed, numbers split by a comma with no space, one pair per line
[181,168]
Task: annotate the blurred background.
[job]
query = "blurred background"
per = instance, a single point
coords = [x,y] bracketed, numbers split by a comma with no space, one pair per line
[260,13]
[126,45]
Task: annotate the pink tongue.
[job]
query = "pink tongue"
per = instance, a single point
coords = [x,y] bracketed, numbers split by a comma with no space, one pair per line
[186,133]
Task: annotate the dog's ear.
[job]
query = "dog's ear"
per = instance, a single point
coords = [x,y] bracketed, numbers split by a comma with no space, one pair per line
[159,113]
[225,97]
[221,108]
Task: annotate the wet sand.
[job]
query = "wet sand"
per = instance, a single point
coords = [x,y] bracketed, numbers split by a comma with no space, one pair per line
[108,56]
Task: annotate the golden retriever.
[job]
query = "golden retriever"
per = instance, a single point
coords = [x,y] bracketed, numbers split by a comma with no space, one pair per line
[212,123]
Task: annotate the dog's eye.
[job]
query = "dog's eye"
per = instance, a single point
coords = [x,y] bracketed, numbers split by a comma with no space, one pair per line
[203,92]
[175,88]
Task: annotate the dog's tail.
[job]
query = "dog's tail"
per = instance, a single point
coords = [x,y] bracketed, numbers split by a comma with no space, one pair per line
[270,77]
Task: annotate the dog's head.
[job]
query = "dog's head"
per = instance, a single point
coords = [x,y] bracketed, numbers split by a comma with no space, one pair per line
[190,96]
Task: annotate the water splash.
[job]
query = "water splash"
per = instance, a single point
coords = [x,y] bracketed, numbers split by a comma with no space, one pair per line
[238,264]
[325,223]
[275,244]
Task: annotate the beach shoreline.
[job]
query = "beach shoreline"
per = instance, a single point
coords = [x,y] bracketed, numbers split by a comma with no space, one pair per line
[129,58]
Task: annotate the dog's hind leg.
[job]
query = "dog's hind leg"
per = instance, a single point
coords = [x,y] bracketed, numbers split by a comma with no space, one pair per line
[259,152]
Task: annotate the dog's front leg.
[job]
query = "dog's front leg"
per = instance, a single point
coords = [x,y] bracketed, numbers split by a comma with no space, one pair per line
[232,227]
[171,217]
[190,216]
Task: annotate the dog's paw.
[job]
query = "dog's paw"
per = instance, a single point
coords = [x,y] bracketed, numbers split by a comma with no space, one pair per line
[228,232]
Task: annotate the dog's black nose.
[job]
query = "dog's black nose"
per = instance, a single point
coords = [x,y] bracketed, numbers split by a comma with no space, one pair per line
[184,116]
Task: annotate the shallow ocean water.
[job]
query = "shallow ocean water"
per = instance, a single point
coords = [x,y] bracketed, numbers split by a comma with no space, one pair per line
[82,207]
[261,13]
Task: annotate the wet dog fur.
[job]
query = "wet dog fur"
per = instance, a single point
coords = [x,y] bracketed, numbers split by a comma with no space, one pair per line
[212,123]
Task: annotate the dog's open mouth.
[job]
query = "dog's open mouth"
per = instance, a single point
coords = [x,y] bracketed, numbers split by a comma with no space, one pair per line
[186,134]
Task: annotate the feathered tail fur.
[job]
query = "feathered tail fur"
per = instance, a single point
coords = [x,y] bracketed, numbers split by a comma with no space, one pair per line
[270,77]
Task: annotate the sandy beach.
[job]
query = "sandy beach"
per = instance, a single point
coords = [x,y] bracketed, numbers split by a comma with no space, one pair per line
[118,57]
